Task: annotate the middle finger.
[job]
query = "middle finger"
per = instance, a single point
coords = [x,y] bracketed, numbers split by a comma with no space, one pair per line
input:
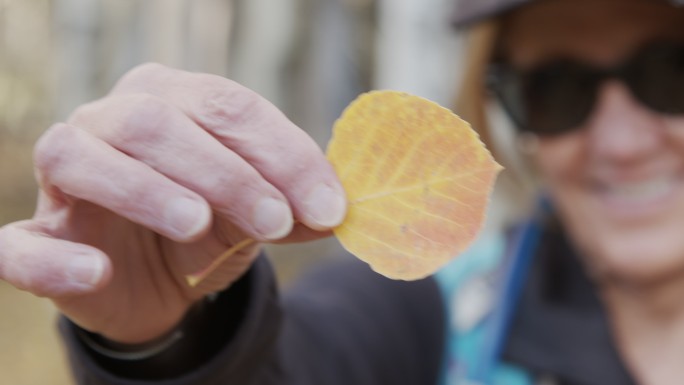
[161,136]
[258,132]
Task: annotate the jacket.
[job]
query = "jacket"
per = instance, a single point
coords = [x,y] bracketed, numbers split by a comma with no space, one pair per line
[344,324]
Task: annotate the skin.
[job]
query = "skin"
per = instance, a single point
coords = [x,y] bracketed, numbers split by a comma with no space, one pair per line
[128,206]
[618,180]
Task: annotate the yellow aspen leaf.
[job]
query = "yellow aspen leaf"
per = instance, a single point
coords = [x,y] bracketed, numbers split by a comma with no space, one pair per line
[418,181]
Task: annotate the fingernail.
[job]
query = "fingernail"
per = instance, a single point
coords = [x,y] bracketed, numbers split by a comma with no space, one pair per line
[272,218]
[85,270]
[186,217]
[325,207]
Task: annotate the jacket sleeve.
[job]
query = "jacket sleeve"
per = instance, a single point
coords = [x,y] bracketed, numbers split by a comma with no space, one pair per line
[339,324]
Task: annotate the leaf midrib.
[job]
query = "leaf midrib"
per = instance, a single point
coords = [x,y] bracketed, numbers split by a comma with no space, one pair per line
[416,186]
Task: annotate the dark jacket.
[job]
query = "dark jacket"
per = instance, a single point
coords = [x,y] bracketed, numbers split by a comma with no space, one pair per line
[344,324]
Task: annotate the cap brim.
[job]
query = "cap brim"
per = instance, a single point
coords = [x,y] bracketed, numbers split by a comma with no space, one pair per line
[467,12]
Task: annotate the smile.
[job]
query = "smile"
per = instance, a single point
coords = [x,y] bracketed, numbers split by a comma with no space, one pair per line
[639,198]
[645,190]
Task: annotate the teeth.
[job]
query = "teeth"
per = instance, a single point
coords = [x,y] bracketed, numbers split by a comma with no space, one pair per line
[642,190]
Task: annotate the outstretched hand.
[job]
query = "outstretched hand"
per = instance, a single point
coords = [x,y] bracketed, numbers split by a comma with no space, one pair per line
[150,184]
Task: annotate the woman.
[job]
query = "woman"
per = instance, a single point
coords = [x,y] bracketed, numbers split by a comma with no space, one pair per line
[596,84]
[594,87]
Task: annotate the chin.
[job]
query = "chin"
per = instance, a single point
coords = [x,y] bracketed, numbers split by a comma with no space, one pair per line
[633,261]
[631,236]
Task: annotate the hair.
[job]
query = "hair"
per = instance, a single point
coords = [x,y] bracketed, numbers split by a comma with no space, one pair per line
[471,98]
[518,183]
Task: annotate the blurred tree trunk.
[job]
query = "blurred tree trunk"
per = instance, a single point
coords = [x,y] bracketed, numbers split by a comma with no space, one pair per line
[418,50]
[209,36]
[100,40]
[76,22]
[265,36]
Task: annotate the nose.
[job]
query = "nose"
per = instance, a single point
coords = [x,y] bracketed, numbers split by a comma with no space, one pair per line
[620,127]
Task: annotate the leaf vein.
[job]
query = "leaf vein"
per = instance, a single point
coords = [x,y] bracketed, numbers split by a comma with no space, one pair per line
[376,240]
[418,186]
[378,213]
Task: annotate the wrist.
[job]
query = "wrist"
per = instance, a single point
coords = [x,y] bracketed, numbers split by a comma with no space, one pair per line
[135,351]
[207,328]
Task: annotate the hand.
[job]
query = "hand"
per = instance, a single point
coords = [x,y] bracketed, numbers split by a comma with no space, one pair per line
[150,184]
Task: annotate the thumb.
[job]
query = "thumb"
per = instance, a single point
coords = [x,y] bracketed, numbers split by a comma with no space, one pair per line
[49,267]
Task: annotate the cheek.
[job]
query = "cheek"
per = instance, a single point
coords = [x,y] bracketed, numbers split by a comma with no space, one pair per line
[560,161]
[561,165]
[675,131]
[637,251]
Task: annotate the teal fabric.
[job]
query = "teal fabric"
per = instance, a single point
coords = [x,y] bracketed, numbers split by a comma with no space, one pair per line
[483,258]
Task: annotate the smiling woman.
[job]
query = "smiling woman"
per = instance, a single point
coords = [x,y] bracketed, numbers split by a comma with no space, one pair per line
[615,171]
[600,86]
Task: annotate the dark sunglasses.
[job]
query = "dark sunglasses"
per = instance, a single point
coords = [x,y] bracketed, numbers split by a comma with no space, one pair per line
[558,97]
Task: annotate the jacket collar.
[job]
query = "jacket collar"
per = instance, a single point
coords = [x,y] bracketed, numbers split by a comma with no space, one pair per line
[560,327]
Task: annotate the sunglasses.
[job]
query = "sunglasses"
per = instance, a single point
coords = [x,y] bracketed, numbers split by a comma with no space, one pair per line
[558,97]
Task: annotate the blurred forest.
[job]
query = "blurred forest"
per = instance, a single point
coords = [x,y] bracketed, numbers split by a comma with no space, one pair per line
[309,57]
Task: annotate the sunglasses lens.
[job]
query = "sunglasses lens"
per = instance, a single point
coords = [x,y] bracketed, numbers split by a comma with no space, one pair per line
[656,77]
[557,98]
[548,101]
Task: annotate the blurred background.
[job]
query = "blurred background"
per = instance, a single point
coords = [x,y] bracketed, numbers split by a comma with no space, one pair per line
[309,57]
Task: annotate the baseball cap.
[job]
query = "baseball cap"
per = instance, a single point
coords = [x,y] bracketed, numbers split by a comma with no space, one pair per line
[470,11]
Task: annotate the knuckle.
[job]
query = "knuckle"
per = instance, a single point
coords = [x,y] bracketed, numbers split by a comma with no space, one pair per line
[83,113]
[141,74]
[222,191]
[227,108]
[53,148]
[136,117]
[141,118]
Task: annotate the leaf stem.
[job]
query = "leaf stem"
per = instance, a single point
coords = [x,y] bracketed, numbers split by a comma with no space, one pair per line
[195,279]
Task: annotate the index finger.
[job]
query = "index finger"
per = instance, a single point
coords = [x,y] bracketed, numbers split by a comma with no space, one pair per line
[256,130]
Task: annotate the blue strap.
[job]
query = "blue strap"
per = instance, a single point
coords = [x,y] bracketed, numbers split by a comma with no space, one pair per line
[498,321]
